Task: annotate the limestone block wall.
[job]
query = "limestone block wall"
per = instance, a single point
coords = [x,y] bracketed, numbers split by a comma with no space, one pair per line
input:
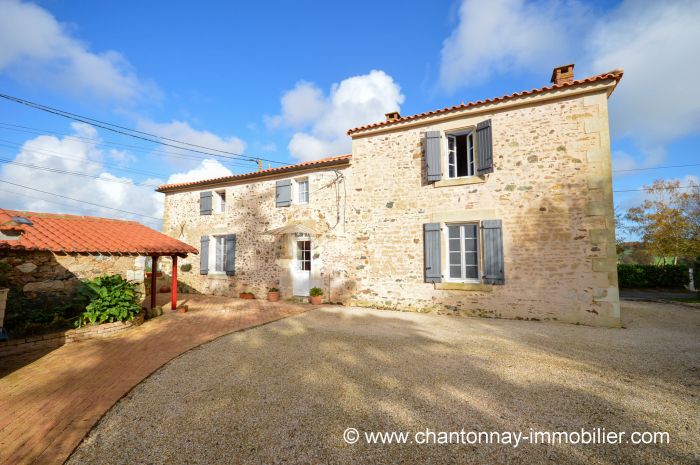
[551,187]
[40,273]
[264,260]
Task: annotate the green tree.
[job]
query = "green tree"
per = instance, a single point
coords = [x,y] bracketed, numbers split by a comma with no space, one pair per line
[668,221]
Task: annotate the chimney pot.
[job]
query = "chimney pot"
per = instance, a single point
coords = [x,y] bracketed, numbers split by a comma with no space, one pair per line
[563,75]
[392,116]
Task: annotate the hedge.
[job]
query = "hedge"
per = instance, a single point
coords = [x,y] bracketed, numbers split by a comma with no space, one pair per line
[645,276]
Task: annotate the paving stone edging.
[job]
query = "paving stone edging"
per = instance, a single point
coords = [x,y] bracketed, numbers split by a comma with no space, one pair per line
[53,340]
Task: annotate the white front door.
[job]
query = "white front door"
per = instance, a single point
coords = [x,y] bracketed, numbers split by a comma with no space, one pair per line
[301,273]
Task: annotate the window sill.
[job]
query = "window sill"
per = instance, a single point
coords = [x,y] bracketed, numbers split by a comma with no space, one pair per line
[464,287]
[217,275]
[460,181]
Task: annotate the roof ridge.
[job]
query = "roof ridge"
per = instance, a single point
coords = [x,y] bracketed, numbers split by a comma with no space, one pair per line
[253,174]
[614,74]
[67,216]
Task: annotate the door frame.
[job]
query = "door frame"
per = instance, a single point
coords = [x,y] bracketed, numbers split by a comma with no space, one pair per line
[296,271]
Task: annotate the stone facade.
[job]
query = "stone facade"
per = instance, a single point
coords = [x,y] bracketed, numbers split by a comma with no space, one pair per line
[551,187]
[41,273]
[264,260]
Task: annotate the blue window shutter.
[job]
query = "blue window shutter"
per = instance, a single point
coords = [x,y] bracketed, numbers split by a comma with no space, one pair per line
[484,148]
[433,168]
[431,253]
[205,203]
[230,265]
[204,255]
[283,194]
[492,239]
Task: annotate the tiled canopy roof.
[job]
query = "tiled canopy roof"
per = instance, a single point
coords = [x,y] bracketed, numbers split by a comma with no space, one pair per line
[86,234]
[279,170]
[616,75]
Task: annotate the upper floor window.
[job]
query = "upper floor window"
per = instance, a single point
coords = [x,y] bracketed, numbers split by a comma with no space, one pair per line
[220,201]
[460,155]
[303,190]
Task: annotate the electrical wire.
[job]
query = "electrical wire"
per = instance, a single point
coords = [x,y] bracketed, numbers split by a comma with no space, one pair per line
[81,201]
[146,136]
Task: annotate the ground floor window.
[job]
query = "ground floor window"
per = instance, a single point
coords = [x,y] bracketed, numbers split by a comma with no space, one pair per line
[463,251]
[219,253]
[303,255]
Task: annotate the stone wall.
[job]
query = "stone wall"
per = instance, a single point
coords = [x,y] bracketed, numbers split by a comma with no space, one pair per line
[264,260]
[40,273]
[551,187]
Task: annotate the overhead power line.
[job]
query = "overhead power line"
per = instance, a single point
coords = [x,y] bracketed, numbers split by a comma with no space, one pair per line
[657,167]
[77,173]
[81,201]
[146,136]
[135,148]
[652,189]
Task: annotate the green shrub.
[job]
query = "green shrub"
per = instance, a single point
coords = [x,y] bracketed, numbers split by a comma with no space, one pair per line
[186,267]
[112,298]
[653,276]
[42,314]
[315,291]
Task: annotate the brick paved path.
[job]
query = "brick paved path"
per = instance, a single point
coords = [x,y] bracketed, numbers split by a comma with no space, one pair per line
[48,406]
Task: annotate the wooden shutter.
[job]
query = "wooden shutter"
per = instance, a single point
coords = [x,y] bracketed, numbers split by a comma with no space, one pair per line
[431,253]
[492,240]
[230,265]
[433,168]
[205,203]
[484,148]
[204,255]
[283,195]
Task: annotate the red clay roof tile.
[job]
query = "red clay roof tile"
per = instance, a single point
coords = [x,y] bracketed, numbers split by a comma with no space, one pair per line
[616,74]
[89,234]
[255,174]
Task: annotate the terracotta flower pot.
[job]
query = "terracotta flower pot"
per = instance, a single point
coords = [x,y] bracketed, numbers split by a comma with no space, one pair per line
[273,296]
[316,299]
[246,295]
[164,289]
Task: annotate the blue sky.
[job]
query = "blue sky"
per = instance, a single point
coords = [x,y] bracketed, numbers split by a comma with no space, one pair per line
[283,81]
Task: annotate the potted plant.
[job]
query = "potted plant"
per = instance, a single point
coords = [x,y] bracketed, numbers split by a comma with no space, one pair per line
[273,294]
[316,296]
[246,295]
[164,289]
[186,267]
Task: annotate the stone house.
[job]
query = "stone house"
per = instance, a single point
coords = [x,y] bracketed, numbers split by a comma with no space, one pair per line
[500,207]
[46,254]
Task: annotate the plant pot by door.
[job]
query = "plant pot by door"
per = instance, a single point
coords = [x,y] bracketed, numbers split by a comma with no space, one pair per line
[316,299]
[273,296]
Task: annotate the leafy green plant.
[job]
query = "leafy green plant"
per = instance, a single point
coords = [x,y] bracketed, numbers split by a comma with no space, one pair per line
[112,298]
[272,289]
[653,276]
[186,267]
[315,291]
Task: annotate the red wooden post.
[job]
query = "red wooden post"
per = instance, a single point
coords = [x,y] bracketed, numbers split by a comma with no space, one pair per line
[173,286]
[154,272]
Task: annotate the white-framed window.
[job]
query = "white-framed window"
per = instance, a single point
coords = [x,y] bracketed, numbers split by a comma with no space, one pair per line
[303,246]
[219,253]
[462,252]
[220,201]
[302,190]
[460,154]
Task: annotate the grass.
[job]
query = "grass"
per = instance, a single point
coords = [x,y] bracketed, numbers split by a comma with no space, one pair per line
[687,300]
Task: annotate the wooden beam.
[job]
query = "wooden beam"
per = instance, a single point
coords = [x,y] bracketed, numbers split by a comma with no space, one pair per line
[173,286]
[154,274]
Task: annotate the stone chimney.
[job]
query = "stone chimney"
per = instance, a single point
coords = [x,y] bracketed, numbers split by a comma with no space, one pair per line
[563,74]
[392,116]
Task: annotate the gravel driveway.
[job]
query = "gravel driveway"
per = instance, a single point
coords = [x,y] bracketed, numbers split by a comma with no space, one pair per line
[286,392]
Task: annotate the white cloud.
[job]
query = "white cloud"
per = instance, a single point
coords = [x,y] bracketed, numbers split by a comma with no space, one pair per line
[34,46]
[80,156]
[354,101]
[300,106]
[509,36]
[656,43]
[207,169]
